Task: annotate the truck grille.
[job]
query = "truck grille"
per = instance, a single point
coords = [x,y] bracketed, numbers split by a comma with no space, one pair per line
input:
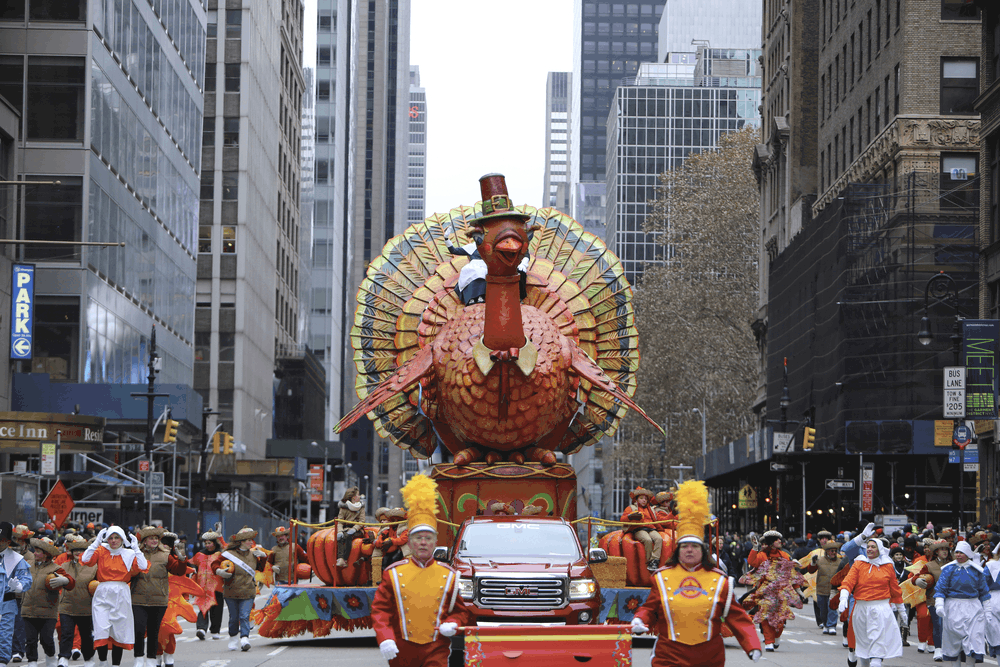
[521,592]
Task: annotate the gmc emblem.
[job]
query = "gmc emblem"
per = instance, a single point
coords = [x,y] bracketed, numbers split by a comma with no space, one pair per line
[519,591]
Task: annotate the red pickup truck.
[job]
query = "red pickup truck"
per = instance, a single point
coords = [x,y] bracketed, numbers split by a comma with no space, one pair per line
[522,569]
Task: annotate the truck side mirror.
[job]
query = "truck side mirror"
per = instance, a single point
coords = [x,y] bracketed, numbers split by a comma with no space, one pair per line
[441,554]
[598,556]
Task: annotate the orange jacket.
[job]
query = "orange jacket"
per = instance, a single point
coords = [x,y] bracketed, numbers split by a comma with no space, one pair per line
[648,517]
[111,567]
[873,582]
[755,558]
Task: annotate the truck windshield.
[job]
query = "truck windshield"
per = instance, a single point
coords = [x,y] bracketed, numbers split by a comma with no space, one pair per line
[518,539]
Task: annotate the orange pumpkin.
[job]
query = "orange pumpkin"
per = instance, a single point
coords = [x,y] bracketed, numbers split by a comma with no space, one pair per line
[48,579]
[228,565]
[322,553]
[303,571]
[92,586]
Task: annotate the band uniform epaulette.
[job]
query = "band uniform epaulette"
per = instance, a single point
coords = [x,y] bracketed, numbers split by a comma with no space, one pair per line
[396,564]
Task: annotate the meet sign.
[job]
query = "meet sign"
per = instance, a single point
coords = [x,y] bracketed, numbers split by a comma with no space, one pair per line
[21,432]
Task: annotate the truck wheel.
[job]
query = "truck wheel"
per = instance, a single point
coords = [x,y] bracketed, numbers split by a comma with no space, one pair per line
[457,657]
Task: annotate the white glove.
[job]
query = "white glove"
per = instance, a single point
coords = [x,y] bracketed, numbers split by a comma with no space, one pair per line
[101,536]
[868,531]
[14,585]
[134,543]
[224,573]
[845,600]
[258,553]
[755,654]
[388,649]
[58,582]
[448,629]
[275,569]
[941,607]
[638,626]
[920,583]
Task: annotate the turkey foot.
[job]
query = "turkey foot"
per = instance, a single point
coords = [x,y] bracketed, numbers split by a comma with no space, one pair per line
[517,457]
[468,455]
[493,457]
[538,455]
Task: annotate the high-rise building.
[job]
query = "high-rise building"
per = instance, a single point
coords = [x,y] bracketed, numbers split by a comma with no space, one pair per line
[416,178]
[556,185]
[685,24]
[658,121]
[248,291]
[785,161]
[109,97]
[609,42]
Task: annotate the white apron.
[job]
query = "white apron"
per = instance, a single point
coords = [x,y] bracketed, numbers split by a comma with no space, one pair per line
[112,613]
[964,627]
[992,608]
[876,630]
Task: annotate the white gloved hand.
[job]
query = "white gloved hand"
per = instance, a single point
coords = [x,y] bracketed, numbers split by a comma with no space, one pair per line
[638,626]
[388,649]
[845,600]
[102,535]
[448,629]
[941,608]
[58,582]
[755,654]
[868,531]
[14,585]
[275,569]
[134,543]
[258,553]
[224,573]
[920,583]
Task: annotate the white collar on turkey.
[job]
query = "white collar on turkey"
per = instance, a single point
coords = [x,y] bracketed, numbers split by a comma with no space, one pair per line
[126,553]
[882,558]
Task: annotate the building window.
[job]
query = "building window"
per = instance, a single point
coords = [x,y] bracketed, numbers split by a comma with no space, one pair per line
[323,57]
[231,131]
[958,187]
[56,337]
[53,213]
[227,345]
[208,131]
[322,171]
[234,23]
[323,130]
[959,10]
[232,77]
[47,10]
[994,148]
[202,345]
[878,110]
[56,89]
[230,185]
[229,240]
[208,184]
[323,90]
[325,23]
[212,26]
[204,238]
[210,72]
[12,80]
[895,96]
[959,85]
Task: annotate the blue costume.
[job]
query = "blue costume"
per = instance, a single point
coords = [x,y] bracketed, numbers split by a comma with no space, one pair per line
[961,591]
[12,566]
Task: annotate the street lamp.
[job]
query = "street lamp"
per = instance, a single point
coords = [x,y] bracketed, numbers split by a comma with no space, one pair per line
[704,448]
[944,288]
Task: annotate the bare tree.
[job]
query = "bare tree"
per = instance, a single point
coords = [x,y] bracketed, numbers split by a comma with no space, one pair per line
[693,311]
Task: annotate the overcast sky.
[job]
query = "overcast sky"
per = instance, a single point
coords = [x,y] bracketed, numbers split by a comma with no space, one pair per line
[483,66]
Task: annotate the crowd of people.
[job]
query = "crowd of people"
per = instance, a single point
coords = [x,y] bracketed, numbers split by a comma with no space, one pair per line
[106,590]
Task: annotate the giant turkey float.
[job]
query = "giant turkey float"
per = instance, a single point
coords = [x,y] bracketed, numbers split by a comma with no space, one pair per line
[504,336]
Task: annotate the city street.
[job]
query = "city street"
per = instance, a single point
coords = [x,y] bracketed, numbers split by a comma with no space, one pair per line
[801,644]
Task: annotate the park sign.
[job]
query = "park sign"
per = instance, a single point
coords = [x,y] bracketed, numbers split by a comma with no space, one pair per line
[980,342]
[22,311]
[21,432]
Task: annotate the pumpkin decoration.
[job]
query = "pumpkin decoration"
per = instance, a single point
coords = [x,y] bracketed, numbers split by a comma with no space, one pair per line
[92,586]
[48,580]
[303,571]
[322,553]
[228,565]
[617,543]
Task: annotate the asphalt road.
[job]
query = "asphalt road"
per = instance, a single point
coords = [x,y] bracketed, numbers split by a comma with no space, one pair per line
[801,645]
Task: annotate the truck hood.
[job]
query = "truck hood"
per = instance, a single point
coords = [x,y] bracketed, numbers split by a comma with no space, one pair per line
[559,566]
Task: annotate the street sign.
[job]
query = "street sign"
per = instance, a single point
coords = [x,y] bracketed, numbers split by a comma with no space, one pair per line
[971,456]
[782,441]
[316,481]
[780,467]
[87,515]
[971,467]
[867,486]
[58,504]
[144,465]
[22,306]
[49,458]
[747,498]
[980,344]
[840,484]
[154,487]
[962,436]
[954,391]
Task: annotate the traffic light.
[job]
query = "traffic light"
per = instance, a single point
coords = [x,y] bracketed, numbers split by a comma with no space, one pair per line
[216,442]
[227,443]
[808,438]
[170,430]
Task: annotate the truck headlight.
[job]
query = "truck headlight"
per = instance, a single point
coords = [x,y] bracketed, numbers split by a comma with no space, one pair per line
[465,588]
[582,589]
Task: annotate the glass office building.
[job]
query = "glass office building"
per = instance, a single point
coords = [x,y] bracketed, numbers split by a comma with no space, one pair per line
[111,101]
[658,120]
[416,179]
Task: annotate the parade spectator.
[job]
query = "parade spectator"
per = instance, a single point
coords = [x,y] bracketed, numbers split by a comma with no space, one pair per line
[959,595]
[875,589]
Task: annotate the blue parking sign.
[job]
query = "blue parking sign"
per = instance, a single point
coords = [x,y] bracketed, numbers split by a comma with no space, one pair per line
[22,311]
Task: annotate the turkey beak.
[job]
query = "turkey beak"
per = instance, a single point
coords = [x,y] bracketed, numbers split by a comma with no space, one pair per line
[509,250]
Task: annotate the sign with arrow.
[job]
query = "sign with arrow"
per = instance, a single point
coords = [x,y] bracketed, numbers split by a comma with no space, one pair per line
[840,484]
[780,467]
